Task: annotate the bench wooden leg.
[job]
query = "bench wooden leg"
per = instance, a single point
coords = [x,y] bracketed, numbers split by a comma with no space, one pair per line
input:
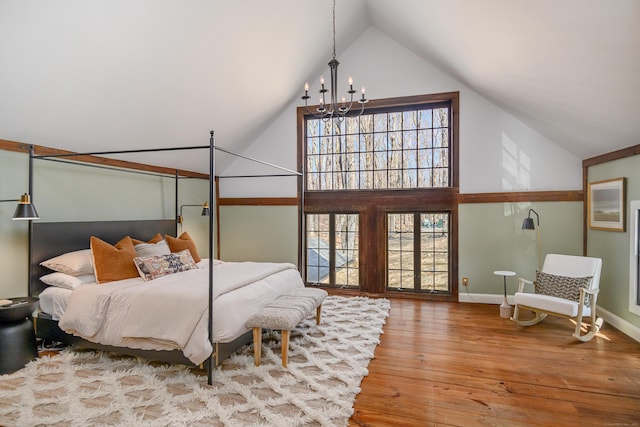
[318,310]
[257,345]
[285,346]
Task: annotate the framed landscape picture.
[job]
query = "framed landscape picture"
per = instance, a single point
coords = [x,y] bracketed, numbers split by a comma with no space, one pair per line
[606,205]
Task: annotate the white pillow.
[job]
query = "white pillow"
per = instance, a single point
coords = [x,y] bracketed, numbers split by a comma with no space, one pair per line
[152,249]
[67,281]
[76,263]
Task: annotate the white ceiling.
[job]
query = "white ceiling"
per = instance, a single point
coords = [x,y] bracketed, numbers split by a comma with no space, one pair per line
[116,74]
[570,68]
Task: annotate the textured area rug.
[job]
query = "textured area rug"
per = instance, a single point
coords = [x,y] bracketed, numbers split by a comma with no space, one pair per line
[326,366]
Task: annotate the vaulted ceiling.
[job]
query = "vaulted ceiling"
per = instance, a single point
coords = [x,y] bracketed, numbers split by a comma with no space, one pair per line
[115,74]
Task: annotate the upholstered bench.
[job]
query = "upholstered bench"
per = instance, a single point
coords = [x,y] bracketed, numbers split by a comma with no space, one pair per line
[284,314]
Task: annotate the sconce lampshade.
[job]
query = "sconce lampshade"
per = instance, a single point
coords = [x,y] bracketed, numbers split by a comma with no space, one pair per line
[528,224]
[528,221]
[25,209]
[205,209]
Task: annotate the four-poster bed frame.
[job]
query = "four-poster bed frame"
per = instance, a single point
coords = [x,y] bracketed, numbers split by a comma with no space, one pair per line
[50,239]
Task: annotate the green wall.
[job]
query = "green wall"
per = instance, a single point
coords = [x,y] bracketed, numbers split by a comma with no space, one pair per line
[64,192]
[259,233]
[13,234]
[613,247]
[491,238]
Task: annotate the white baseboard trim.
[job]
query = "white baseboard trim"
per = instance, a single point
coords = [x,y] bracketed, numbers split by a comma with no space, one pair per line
[619,323]
[610,318]
[484,298]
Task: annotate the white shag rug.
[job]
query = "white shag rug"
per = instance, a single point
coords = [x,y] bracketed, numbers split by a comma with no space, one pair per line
[318,388]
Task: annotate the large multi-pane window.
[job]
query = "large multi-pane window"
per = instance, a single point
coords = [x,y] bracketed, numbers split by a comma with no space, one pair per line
[418,252]
[332,249]
[380,195]
[386,150]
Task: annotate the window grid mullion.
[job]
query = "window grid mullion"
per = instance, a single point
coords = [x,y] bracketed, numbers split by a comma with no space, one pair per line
[332,249]
[417,253]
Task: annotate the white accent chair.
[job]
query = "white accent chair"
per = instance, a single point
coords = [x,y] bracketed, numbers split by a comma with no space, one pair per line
[542,305]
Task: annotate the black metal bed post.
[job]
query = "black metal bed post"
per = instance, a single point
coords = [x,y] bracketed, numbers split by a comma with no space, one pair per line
[212,167]
[302,258]
[302,226]
[30,232]
[176,213]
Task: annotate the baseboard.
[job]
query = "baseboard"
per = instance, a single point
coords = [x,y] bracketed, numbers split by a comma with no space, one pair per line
[610,318]
[483,298]
[619,323]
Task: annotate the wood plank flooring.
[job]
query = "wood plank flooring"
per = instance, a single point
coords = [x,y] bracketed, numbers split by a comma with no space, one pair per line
[455,364]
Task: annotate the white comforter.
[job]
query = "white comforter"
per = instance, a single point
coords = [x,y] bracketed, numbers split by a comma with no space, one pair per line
[171,312]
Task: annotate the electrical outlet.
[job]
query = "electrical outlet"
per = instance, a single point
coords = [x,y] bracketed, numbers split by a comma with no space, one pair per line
[465,281]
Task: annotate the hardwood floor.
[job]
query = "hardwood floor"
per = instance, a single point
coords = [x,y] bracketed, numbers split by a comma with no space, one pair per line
[455,364]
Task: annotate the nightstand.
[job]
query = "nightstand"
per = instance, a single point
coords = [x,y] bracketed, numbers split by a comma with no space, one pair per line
[17,336]
[505,308]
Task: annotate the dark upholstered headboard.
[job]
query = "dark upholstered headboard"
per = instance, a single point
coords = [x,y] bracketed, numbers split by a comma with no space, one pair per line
[50,239]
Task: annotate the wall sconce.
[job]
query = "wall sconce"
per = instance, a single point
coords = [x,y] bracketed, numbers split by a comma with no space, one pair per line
[25,209]
[206,211]
[528,224]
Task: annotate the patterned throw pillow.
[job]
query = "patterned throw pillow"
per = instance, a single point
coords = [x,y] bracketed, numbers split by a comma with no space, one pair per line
[561,286]
[160,265]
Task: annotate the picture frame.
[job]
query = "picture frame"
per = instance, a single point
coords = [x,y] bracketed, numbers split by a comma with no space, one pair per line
[606,205]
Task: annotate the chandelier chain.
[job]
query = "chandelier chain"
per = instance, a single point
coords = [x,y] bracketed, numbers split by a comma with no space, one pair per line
[332,107]
[334,29]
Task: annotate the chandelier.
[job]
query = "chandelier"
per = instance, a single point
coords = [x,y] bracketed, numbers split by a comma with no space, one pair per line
[334,109]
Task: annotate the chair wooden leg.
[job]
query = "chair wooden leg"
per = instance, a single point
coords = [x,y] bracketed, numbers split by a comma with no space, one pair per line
[285,346]
[257,345]
[318,310]
[539,317]
[594,328]
[516,313]
[589,335]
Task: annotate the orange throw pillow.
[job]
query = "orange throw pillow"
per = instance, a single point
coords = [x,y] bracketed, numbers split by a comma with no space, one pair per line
[111,263]
[154,239]
[183,242]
